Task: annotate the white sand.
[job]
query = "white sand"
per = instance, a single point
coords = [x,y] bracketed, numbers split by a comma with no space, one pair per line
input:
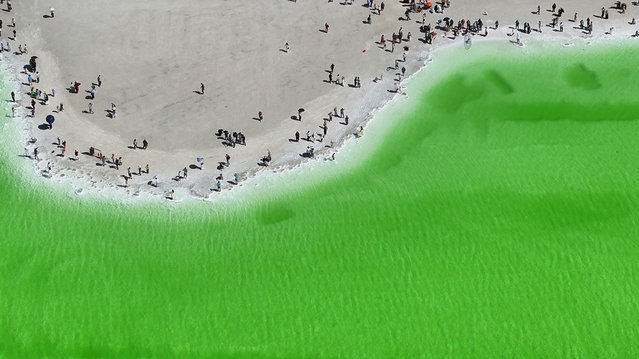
[153,54]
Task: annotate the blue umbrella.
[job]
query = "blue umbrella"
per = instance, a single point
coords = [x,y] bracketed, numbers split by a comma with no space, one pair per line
[50,119]
[200,160]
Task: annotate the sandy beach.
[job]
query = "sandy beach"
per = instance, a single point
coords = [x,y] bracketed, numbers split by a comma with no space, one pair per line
[152,56]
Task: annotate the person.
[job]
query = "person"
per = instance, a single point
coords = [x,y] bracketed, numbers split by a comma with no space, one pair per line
[13,111]
[326,27]
[145,144]
[13,96]
[368,20]
[297,136]
[52,10]
[286,47]
[76,154]
[35,153]
[201,88]
[218,185]
[135,143]
[346,120]
[228,160]
[99,80]
[113,110]
[185,171]
[259,115]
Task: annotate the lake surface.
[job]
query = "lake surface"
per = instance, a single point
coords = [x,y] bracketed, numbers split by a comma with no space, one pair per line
[492,213]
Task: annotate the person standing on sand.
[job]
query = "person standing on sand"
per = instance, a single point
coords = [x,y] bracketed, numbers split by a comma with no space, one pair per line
[346,120]
[185,171]
[52,11]
[147,168]
[135,143]
[228,160]
[13,96]
[145,144]
[326,27]
[201,88]
[91,107]
[13,111]
[259,115]
[99,80]
[297,136]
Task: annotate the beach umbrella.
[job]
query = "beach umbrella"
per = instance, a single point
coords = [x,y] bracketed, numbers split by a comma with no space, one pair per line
[50,119]
[199,160]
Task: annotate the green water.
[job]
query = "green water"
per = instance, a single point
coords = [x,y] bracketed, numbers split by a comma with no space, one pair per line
[497,217]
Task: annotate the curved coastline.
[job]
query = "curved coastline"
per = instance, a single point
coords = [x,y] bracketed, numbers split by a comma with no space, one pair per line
[82,182]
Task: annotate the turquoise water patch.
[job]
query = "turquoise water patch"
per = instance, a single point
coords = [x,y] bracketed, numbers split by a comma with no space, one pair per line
[497,217]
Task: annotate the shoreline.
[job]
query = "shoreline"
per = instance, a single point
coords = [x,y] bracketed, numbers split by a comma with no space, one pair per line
[420,57]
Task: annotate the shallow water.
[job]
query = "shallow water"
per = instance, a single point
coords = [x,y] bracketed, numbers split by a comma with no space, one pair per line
[496,217]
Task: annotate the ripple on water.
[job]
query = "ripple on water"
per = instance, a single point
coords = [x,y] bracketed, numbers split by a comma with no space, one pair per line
[579,76]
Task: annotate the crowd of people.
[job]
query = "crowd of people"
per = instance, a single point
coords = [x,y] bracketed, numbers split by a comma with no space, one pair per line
[445,28]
